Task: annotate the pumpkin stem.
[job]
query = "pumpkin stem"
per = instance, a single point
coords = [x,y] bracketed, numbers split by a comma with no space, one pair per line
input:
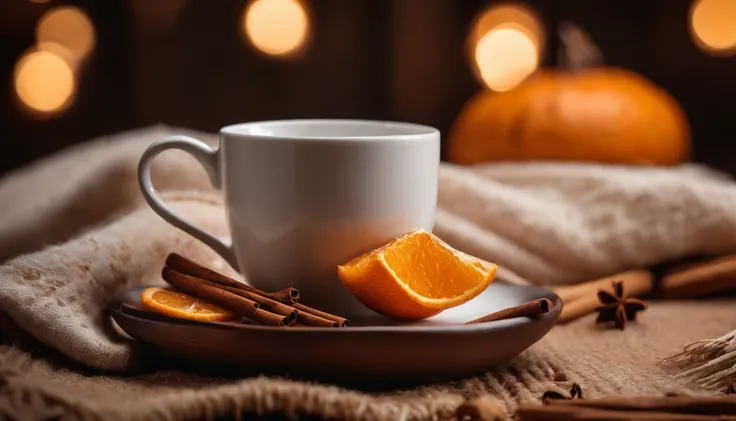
[577,49]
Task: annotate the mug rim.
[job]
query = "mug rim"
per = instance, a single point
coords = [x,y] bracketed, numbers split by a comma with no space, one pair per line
[403,130]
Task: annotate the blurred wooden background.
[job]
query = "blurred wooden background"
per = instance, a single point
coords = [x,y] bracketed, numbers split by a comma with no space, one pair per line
[376,59]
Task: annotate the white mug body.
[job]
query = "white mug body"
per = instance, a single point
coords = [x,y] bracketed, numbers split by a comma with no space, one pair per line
[304,196]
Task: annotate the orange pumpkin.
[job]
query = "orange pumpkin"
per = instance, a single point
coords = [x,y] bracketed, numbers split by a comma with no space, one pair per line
[600,114]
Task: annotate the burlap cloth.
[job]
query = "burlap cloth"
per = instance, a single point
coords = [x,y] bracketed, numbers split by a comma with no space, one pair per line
[74,232]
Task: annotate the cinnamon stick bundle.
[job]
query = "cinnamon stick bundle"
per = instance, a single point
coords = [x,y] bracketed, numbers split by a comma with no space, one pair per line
[210,292]
[198,280]
[695,279]
[184,265]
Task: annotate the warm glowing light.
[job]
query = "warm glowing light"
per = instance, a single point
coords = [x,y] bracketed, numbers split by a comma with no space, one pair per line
[505,57]
[61,51]
[44,81]
[713,25]
[504,44]
[157,15]
[504,15]
[69,27]
[276,27]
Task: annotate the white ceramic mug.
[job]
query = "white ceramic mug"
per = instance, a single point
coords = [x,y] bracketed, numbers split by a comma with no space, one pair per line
[304,196]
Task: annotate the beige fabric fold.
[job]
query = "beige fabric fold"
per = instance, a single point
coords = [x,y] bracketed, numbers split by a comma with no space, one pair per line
[59,295]
[557,223]
[74,232]
[52,200]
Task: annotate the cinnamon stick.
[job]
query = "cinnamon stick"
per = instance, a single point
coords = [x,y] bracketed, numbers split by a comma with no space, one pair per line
[306,313]
[188,267]
[283,302]
[636,282]
[529,309]
[699,279]
[566,413]
[264,302]
[209,291]
[286,295]
[695,279]
[582,299]
[706,405]
[291,311]
[309,319]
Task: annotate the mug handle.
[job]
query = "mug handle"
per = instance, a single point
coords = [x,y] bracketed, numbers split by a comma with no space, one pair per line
[208,158]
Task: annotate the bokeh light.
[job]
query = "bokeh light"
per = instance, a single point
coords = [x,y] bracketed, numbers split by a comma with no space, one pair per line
[276,27]
[61,51]
[69,27]
[157,15]
[502,15]
[505,57]
[43,81]
[505,44]
[713,26]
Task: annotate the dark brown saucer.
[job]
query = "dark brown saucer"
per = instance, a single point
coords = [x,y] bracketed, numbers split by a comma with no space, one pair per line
[371,350]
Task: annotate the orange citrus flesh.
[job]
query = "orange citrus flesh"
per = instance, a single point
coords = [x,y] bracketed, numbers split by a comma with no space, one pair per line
[183,306]
[415,276]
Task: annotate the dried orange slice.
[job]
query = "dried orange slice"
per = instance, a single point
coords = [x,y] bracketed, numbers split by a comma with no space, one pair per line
[415,276]
[183,306]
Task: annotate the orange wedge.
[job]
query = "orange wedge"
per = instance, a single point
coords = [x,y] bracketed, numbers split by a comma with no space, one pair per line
[415,276]
[183,306]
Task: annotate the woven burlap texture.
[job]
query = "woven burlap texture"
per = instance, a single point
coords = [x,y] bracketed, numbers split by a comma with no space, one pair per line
[75,232]
[603,362]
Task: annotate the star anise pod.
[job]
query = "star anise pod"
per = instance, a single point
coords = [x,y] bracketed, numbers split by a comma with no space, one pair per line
[576,392]
[617,307]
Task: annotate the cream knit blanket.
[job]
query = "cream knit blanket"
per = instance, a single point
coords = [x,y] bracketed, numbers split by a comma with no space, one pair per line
[550,223]
[81,232]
